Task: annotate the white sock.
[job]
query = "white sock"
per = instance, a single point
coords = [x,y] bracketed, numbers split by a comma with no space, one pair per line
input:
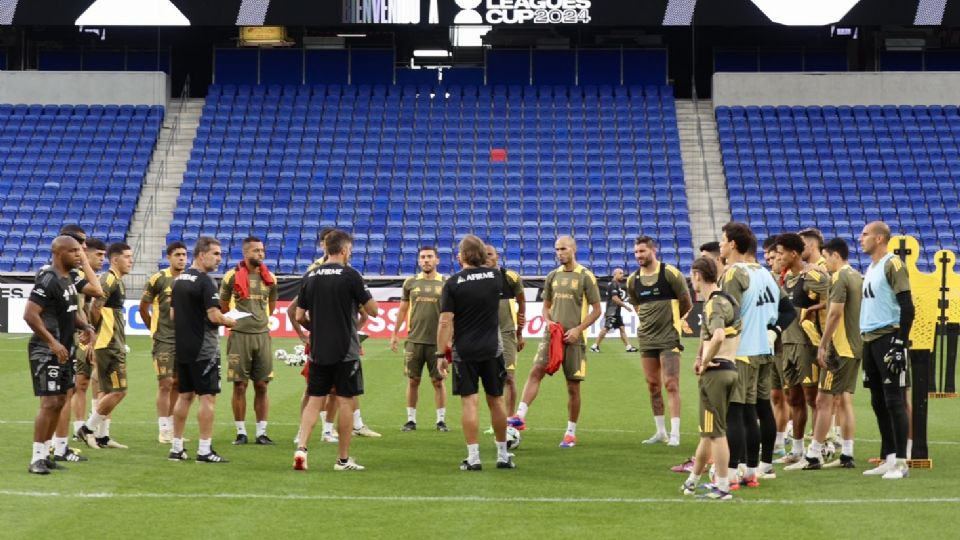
[77,425]
[751,472]
[694,478]
[473,454]
[732,475]
[101,430]
[572,428]
[357,420]
[847,447]
[49,445]
[60,446]
[909,448]
[39,452]
[675,427]
[177,445]
[781,438]
[261,428]
[93,423]
[723,484]
[412,414]
[170,421]
[814,449]
[522,410]
[891,460]
[661,424]
[441,414]
[327,427]
[797,449]
[766,467]
[204,448]
[323,416]
[241,427]
[163,423]
[502,451]
[106,427]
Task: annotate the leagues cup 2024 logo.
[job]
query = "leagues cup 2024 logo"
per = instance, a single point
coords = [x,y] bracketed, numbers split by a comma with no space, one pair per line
[524,11]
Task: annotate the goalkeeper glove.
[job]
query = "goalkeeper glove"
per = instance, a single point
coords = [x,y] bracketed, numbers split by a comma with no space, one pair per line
[896,357]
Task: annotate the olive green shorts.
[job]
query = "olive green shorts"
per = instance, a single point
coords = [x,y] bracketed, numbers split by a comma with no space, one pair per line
[800,365]
[745,391]
[716,388]
[111,370]
[418,355]
[164,360]
[249,356]
[509,350]
[840,376]
[574,358]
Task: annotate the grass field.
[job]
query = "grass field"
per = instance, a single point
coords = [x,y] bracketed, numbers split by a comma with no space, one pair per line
[608,486]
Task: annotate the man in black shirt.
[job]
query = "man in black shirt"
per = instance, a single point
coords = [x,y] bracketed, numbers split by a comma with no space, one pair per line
[470,314]
[612,320]
[52,313]
[195,310]
[330,296]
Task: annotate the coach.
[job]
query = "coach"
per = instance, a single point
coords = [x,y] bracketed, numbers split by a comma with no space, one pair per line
[470,312]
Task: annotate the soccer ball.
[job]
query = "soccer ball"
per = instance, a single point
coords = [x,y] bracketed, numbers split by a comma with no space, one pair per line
[280,355]
[513,438]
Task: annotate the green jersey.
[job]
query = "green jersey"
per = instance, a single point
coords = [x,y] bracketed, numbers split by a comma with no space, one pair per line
[508,306]
[846,287]
[257,302]
[111,333]
[570,295]
[806,288]
[656,297]
[423,295]
[720,313]
[158,292]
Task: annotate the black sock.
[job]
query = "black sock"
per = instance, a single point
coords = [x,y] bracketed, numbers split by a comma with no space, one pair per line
[736,436]
[768,429]
[752,427]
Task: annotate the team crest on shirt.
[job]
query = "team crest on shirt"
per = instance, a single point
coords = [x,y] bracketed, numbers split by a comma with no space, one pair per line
[564,282]
[574,283]
[436,289]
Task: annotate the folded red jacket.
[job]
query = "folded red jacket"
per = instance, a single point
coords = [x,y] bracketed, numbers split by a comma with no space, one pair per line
[557,347]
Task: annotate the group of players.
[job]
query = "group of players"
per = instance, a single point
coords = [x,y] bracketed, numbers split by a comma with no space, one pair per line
[774,342]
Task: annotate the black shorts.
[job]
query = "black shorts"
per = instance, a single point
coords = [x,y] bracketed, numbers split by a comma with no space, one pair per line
[468,373]
[345,377]
[201,377]
[613,322]
[50,377]
[875,372]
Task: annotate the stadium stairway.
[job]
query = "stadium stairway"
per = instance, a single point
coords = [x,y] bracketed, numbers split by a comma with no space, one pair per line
[707,197]
[151,221]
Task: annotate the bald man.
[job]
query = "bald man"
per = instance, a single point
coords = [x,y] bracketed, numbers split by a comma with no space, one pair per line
[52,313]
[567,292]
[886,317]
[612,318]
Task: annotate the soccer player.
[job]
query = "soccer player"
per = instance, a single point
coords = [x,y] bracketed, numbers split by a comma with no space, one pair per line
[781,412]
[250,288]
[718,377]
[110,351]
[711,250]
[886,317]
[838,356]
[195,310]
[659,293]
[513,318]
[808,288]
[764,307]
[567,292]
[420,308]
[52,314]
[470,313]
[155,312]
[612,318]
[813,247]
[95,250]
[331,295]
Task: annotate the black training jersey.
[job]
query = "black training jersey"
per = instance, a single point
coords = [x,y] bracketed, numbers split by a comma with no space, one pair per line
[59,301]
[473,296]
[332,294]
[194,292]
[614,290]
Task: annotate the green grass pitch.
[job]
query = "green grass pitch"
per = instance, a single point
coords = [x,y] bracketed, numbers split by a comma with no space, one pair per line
[608,486]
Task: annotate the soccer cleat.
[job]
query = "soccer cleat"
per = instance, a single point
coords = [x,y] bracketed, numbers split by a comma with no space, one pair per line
[409,426]
[508,464]
[879,470]
[594,348]
[365,431]
[85,435]
[263,439]
[348,465]
[813,464]
[107,442]
[70,456]
[798,465]
[674,441]
[330,437]
[684,467]
[465,465]
[569,441]
[632,349]
[779,450]
[688,487]
[735,485]
[241,439]
[53,465]
[300,460]
[750,481]
[165,436]
[212,457]
[178,456]
[788,459]
[38,467]
[517,422]
[442,427]
[657,438]
[716,494]
[769,474]
[897,472]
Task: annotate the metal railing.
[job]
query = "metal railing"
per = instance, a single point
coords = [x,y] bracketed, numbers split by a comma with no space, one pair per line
[703,158]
